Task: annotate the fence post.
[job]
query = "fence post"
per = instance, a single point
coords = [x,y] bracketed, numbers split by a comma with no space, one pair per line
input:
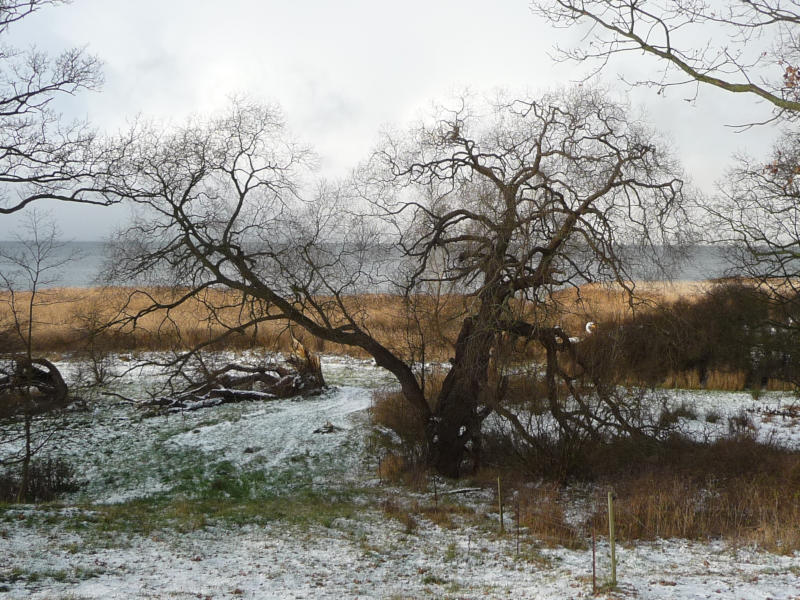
[500,504]
[518,522]
[594,559]
[611,539]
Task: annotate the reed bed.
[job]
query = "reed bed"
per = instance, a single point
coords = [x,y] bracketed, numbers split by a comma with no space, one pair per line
[422,328]
[65,315]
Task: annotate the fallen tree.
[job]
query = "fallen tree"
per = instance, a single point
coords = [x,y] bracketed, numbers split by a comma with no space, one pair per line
[234,382]
[32,386]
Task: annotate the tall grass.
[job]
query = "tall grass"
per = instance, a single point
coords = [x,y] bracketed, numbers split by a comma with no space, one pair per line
[652,340]
[67,314]
[70,318]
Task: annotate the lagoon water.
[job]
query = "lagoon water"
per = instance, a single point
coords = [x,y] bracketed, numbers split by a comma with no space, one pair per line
[79,264]
[83,263]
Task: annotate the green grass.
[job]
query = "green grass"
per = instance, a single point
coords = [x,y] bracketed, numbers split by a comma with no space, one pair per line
[75,575]
[451,553]
[430,579]
[222,493]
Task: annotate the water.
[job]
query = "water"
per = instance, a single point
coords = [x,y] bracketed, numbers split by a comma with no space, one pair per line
[80,264]
[71,264]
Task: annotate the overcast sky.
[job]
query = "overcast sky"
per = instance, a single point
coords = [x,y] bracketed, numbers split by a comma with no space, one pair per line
[341,70]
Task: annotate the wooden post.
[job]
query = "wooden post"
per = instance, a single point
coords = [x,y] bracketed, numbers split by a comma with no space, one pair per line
[500,504]
[611,539]
[594,560]
[435,494]
[517,494]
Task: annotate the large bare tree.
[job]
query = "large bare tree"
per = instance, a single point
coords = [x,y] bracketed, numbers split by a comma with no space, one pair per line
[42,156]
[502,201]
[747,47]
[740,46]
[513,200]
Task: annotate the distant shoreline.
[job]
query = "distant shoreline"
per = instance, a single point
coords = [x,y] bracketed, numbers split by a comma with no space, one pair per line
[704,263]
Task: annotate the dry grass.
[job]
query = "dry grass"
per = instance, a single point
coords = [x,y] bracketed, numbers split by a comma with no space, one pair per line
[70,319]
[685,380]
[395,511]
[610,304]
[540,510]
[726,380]
[735,489]
[741,509]
[777,385]
[67,313]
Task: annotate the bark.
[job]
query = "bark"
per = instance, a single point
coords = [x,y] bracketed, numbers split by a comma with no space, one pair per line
[244,383]
[454,429]
[31,387]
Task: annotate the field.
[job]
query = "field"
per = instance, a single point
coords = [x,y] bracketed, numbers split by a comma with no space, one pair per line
[245,501]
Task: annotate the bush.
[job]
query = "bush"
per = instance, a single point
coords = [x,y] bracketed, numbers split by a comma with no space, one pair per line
[47,479]
[736,488]
[391,410]
[671,416]
[729,338]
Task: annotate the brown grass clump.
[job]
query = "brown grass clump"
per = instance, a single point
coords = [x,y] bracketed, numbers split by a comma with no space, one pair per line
[778,385]
[391,468]
[726,380]
[390,409]
[393,510]
[740,509]
[685,380]
[541,513]
[736,489]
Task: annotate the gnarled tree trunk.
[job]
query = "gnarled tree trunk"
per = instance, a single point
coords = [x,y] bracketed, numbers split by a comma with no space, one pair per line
[454,428]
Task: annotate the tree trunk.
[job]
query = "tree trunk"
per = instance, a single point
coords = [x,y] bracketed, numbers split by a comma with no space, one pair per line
[454,429]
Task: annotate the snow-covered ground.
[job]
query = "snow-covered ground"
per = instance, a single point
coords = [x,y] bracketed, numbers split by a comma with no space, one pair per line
[53,552]
[374,558]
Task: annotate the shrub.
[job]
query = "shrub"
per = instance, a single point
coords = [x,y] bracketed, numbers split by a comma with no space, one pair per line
[48,478]
[671,416]
[731,338]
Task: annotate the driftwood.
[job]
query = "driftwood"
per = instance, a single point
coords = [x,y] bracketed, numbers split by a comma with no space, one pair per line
[31,386]
[302,376]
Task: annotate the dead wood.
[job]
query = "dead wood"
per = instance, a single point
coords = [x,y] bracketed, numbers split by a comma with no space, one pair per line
[234,382]
[31,386]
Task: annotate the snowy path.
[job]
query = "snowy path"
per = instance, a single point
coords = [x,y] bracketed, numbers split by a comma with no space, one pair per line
[280,430]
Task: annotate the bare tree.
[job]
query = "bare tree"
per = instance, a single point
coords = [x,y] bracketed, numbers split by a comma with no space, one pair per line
[502,202]
[757,217]
[740,46]
[745,46]
[518,199]
[32,388]
[41,155]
